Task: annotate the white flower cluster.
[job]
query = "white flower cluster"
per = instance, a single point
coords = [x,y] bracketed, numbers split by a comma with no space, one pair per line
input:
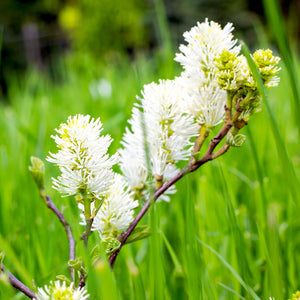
[205,100]
[86,168]
[171,112]
[116,211]
[56,291]
[205,42]
[162,129]
[82,157]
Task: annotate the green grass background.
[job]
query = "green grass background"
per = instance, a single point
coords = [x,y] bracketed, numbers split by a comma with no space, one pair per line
[232,231]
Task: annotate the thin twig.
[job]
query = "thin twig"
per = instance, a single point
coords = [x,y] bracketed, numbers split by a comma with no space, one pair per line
[221,151]
[190,168]
[68,230]
[17,284]
[125,234]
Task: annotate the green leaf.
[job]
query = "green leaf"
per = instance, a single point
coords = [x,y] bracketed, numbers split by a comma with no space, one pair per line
[95,252]
[178,270]
[37,171]
[110,244]
[63,278]
[76,264]
[232,270]
[139,233]
[235,141]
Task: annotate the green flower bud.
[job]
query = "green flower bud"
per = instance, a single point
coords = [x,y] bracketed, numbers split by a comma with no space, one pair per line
[235,141]
[267,65]
[296,296]
[76,264]
[37,171]
[226,64]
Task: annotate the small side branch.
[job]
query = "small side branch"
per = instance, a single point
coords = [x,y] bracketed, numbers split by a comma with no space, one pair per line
[221,151]
[17,284]
[191,167]
[125,234]
[67,227]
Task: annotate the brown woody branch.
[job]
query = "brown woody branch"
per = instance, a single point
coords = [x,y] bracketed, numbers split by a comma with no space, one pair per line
[193,166]
[68,230]
[17,284]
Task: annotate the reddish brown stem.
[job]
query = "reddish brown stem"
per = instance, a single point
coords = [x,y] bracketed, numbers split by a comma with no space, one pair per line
[68,230]
[190,168]
[125,234]
[17,284]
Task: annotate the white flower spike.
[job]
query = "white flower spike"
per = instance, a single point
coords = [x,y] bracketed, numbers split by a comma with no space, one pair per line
[116,212]
[82,157]
[205,42]
[168,132]
[204,99]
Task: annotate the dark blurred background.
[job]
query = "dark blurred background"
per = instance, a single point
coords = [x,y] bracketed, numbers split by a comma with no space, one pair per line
[38,32]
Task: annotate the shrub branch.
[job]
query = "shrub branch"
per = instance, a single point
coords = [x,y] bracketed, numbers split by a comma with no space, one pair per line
[191,167]
[67,228]
[17,284]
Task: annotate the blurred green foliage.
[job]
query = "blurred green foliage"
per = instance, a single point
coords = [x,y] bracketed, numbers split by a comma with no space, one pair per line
[103,27]
[241,206]
[110,25]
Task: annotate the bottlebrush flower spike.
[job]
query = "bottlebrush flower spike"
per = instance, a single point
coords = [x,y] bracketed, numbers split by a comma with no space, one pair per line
[82,157]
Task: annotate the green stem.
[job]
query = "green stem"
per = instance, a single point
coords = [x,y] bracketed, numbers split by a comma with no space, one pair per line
[88,219]
[220,152]
[234,131]
[228,108]
[204,132]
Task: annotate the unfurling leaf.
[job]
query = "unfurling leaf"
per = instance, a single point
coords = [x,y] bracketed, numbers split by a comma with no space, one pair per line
[76,264]
[139,233]
[235,141]
[110,244]
[37,171]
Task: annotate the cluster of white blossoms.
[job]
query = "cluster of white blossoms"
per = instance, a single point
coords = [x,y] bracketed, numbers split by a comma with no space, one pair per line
[82,158]
[161,128]
[205,99]
[116,211]
[58,291]
[86,169]
[205,42]
[172,112]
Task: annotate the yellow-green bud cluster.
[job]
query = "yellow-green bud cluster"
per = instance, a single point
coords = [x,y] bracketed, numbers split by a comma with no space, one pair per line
[234,76]
[296,296]
[226,65]
[267,65]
